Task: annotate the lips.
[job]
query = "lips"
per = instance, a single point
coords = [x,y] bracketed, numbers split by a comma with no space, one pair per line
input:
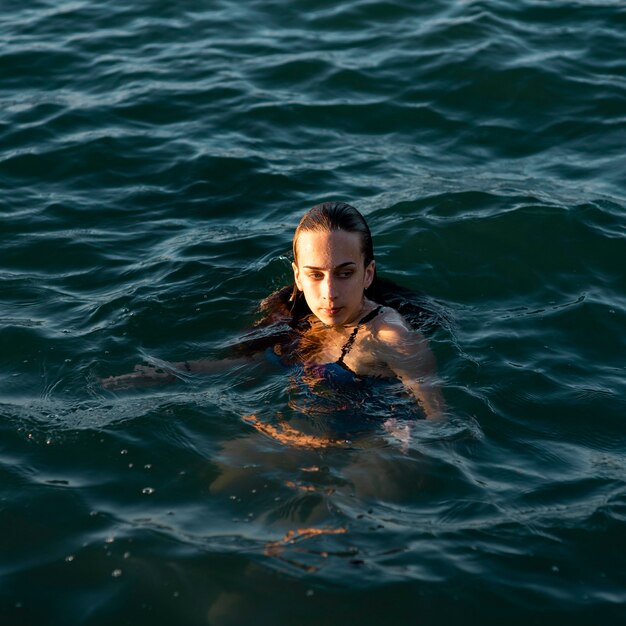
[332,312]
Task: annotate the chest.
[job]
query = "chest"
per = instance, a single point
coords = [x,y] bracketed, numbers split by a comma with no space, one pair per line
[356,350]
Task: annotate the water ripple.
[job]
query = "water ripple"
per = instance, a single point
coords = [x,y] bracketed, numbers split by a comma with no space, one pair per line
[155,158]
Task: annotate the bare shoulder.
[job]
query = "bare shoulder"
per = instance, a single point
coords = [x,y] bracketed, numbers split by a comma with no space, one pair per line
[407,356]
[392,330]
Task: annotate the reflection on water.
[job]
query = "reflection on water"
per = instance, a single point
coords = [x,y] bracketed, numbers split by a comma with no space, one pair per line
[287,435]
[309,474]
[276,549]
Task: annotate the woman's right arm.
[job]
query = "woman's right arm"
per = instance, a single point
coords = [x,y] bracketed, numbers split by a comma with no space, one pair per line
[149,375]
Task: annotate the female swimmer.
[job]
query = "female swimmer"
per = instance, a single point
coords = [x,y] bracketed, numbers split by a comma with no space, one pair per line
[337,320]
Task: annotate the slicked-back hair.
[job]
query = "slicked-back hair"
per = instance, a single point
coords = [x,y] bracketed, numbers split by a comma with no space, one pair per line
[330,216]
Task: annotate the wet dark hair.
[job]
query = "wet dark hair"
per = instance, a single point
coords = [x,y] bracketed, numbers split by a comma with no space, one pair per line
[330,216]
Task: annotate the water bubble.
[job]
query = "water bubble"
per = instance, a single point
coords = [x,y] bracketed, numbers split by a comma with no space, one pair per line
[69,558]
[310,593]
[109,540]
[147,491]
[116,573]
[124,452]
[126,555]
[148,466]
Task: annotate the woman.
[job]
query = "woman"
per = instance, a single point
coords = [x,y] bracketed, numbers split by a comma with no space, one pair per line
[337,321]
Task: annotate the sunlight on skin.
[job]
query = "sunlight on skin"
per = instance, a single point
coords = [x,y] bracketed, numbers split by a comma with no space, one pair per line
[331,272]
[345,330]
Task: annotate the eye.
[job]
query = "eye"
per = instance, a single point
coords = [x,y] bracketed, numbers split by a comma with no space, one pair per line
[345,274]
[316,275]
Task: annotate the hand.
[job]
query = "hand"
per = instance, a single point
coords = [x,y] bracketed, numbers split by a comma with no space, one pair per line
[142,376]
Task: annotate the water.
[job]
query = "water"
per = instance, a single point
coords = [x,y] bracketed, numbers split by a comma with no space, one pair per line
[154,160]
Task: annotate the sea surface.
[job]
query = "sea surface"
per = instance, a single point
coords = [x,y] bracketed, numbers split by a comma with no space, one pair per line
[155,158]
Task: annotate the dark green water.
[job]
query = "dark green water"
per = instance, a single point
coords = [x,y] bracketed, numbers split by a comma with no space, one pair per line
[154,160]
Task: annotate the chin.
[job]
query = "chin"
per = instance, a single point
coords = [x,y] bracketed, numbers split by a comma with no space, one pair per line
[333,320]
[327,321]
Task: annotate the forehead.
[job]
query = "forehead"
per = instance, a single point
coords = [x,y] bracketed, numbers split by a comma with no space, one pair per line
[328,249]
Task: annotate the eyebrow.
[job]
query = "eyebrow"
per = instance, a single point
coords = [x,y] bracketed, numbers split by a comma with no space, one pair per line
[337,267]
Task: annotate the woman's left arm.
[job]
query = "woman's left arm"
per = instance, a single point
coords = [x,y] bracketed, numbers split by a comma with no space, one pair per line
[408,356]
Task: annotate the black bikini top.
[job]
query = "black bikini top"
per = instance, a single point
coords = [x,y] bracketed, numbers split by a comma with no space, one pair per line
[350,341]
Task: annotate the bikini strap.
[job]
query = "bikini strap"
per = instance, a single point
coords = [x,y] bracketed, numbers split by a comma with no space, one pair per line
[346,346]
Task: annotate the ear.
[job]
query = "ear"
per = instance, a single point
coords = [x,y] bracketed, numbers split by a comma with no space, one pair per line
[296,276]
[369,273]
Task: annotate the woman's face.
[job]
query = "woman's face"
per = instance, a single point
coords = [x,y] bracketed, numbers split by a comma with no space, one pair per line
[330,272]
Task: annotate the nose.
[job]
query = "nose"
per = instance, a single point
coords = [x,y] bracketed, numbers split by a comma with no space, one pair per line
[329,288]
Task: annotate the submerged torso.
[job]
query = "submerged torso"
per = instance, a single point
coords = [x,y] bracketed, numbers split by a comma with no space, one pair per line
[339,383]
